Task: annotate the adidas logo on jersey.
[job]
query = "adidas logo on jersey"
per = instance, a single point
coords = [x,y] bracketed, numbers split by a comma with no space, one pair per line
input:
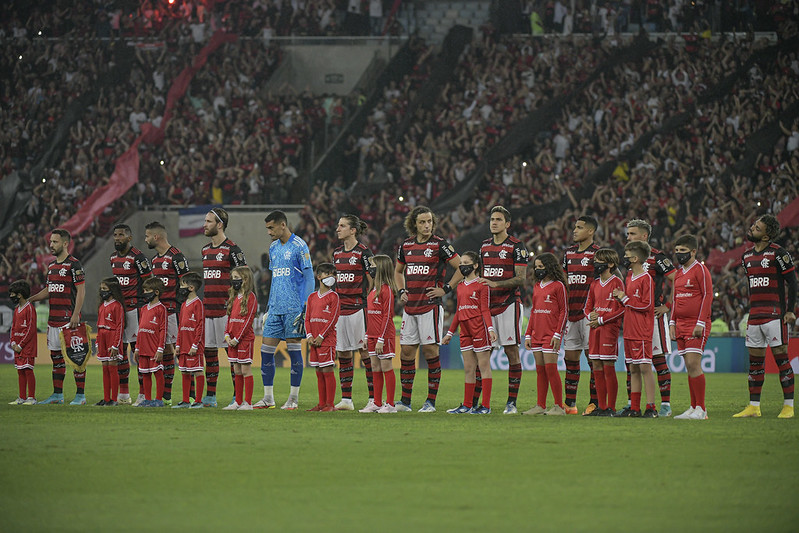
[429,338]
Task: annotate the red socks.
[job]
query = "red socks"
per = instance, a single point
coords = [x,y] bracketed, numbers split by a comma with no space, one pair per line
[377,383]
[22,380]
[186,387]
[147,385]
[542,384]
[248,386]
[611,385]
[391,384]
[635,401]
[159,384]
[468,394]
[697,387]
[554,383]
[200,379]
[601,388]
[320,387]
[106,383]
[238,381]
[487,384]
[330,388]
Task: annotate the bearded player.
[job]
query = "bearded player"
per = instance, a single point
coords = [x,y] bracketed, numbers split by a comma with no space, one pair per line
[770,271]
[66,291]
[168,264]
[130,266]
[220,256]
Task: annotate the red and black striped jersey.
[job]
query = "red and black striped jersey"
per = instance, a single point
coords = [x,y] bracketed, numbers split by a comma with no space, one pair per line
[131,270]
[351,281]
[217,263]
[499,264]
[579,268]
[659,266]
[767,272]
[63,280]
[169,267]
[425,265]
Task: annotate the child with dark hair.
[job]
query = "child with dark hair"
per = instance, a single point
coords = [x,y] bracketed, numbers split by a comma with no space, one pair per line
[110,326]
[23,341]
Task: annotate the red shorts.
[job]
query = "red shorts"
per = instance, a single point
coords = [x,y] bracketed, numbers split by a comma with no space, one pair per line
[544,345]
[690,344]
[21,362]
[242,353]
[603,343]
[190,363]
[148,365]
[103,347]
[321,356]
[389,351]
[638,352]
[474,335]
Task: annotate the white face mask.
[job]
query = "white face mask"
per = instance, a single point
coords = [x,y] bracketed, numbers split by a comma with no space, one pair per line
[329,281]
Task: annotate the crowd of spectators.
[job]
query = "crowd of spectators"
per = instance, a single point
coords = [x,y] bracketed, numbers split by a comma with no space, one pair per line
[616,16]
[229,142]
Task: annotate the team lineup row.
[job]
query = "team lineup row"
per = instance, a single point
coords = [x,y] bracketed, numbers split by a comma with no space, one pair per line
[152,310]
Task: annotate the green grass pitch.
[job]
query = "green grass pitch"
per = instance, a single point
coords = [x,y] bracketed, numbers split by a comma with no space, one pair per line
[122,469]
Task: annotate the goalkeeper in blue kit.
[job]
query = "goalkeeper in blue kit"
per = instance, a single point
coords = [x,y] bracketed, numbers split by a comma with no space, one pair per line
[292,283]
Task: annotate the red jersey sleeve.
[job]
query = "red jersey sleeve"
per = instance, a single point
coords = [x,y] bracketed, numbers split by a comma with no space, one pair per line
[387,304]
[485,306]
[161,331]
[562,309]
[119,321]
[706,288]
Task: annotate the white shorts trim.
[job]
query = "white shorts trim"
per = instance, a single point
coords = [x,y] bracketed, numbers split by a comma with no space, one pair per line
[576,337]
[508,326]
[427,328]
[172,329]
[215,332]
[351,332]
[131,326]
[762,335]
[383,355]
[53,339]
[661,336]
[190,369]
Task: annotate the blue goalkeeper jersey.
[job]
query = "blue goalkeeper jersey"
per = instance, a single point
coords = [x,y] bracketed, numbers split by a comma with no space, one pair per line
[292,276]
